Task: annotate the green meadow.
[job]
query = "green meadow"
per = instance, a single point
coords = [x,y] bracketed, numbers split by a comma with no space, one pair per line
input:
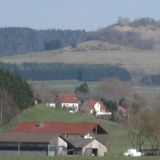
[117,140]
[80,158]
[146,61]
[63,85]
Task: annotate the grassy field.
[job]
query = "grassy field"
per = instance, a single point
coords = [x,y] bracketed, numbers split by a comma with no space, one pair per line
[79,158]
[64,85]
[70,85]
[92,53]
[117,135]
[117,139]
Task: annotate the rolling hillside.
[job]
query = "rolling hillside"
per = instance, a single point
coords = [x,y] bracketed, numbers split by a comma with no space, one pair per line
[141,33]
[16,40]
[131,45]
[41,113]
[96,52]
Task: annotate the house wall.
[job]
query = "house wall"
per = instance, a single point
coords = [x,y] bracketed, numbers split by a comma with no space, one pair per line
[59,147]
[97,107]
[51,105]
[102,150]
[22,153]
[71,105]
[61,142]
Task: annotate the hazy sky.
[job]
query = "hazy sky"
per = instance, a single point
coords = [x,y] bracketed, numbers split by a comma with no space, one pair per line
[73,14]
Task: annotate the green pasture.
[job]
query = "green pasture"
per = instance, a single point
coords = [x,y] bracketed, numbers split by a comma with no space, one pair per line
[80,158]
[64,85]
[70,85]
[145,61]
[117,139]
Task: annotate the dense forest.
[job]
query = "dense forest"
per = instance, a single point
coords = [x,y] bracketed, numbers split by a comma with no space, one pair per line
[152,80]
[15,95]
[61,71]
[15,40]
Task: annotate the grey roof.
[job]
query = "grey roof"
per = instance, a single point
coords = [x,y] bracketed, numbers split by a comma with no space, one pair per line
[79,142]
[28,137]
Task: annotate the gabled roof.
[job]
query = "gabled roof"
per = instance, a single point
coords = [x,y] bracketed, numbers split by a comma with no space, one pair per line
[68,98]
[28,137]
[79,142]
[91,102]
[60,128]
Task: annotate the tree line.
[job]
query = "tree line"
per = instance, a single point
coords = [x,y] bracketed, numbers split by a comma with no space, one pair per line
[61,71]
[153,80]
[15,40]
[15,96]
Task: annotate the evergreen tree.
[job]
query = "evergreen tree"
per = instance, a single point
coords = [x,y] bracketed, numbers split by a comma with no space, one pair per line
[17,89]
[83,88]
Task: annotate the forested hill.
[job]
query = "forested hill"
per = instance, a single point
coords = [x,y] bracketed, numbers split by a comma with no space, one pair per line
[141,33]
[14,40]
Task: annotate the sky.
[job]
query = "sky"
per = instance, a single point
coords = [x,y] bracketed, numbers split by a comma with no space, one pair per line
[90,15]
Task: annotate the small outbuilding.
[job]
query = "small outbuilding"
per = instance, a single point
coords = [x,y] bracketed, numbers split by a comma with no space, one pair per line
[86,147]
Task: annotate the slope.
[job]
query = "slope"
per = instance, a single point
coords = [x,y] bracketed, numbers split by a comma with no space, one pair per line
[96,52]
[117,134]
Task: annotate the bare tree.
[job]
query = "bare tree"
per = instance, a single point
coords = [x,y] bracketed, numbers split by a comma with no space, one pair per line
[114,89]
[44,93]
[144,126]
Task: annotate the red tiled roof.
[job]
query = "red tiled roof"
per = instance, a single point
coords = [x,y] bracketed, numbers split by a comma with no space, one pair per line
[90,104]
[68,97]
[58,128]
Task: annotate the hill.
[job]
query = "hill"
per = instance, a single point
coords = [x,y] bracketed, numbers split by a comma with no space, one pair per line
[96,52]
[41,113]
[142,33]
[14,40]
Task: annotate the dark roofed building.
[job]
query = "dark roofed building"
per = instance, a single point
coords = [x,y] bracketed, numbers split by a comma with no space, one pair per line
[62,138]
[32,144]
[86,147]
